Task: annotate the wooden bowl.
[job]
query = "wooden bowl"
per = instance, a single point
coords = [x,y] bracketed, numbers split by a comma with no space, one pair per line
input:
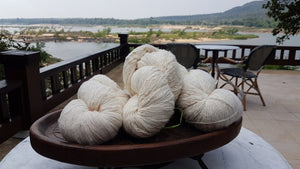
[124,150]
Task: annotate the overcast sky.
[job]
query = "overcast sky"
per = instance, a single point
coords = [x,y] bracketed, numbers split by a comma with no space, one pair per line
[118,9]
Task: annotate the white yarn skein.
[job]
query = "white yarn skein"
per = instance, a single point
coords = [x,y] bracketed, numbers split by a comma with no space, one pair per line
[182,70]
[147,55]
[120,94]
[166,62]
[204,106]
[130,64]
[95,117]
[147,112]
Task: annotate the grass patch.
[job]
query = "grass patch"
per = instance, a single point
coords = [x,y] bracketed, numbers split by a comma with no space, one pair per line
[50,60]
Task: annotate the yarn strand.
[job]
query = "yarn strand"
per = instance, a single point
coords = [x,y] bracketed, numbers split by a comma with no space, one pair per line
[180,120]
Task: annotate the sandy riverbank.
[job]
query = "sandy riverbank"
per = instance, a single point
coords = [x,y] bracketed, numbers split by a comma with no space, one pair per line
[163,41]
[193,27]
[213,28]
[111,39]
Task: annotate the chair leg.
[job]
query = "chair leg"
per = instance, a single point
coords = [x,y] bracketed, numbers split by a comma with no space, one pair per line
[259,93]
[236,84]
[244,102]
[244,98]
[218,77]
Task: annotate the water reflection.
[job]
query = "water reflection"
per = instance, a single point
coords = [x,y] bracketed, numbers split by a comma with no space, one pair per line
[68,50]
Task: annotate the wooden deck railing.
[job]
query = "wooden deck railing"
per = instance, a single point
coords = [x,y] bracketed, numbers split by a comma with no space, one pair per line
[61,81]
[29,92]
[11,109]
[284,55]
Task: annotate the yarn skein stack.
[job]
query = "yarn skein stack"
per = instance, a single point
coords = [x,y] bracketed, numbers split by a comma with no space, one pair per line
[154,81]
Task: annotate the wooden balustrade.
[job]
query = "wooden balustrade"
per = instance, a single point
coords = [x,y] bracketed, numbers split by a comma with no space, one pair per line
[284,55]
[61,81]
[11,109]
[28,92]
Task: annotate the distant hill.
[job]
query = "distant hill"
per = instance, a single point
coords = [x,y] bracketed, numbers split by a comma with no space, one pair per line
[249,10]
[250,14]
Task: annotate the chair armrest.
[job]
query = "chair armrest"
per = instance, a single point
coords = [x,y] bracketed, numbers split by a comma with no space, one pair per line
[228,60]
[207,60]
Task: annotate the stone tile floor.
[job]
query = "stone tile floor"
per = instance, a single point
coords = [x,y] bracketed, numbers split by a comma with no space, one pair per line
[278,122]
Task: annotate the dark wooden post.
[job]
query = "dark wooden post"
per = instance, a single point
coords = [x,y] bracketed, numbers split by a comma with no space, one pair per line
[124,43]
[24,66]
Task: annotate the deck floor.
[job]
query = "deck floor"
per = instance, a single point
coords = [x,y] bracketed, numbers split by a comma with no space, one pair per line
[278,122]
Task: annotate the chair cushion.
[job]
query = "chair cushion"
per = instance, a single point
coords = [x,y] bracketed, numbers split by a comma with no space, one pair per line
[237,72]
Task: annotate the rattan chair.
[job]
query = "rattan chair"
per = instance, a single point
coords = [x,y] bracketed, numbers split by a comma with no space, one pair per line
[186,54]
[247,72]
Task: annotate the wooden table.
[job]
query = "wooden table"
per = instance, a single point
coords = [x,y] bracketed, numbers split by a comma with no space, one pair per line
[124,151]
[247,150]
[216,49]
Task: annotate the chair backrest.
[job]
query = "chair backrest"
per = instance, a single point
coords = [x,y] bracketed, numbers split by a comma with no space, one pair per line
[259,56]
[186,54]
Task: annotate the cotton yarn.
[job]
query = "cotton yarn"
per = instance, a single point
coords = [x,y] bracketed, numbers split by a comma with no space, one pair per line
[182,71]
[120,94]
[95,117]
[164,60]
[147,112]
[130,64]
[154,80]
[205,107]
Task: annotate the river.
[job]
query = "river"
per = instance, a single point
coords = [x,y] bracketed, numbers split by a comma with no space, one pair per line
[67,50]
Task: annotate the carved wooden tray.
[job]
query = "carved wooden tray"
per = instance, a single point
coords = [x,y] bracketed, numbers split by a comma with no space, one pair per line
[124,150]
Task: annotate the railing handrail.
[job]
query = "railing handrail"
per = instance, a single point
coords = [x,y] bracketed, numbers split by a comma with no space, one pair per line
[65,64]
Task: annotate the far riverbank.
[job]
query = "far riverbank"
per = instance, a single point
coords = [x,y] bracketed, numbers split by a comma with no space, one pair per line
[106,34]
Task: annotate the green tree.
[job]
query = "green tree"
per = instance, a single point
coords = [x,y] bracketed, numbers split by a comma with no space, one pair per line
[287,15]
[232,31]
[5,40]
[158,33]
[150,33]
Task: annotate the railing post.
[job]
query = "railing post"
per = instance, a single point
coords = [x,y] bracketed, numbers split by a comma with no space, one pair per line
[24,66]
[124,44]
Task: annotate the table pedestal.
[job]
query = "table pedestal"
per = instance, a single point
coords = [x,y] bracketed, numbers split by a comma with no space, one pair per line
[216,49]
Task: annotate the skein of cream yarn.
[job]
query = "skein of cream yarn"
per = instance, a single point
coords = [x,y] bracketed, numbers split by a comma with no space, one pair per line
[147,112]
[204,106]
[130,64]
[120,94]
[182,71]
[95,117]
[164,60]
